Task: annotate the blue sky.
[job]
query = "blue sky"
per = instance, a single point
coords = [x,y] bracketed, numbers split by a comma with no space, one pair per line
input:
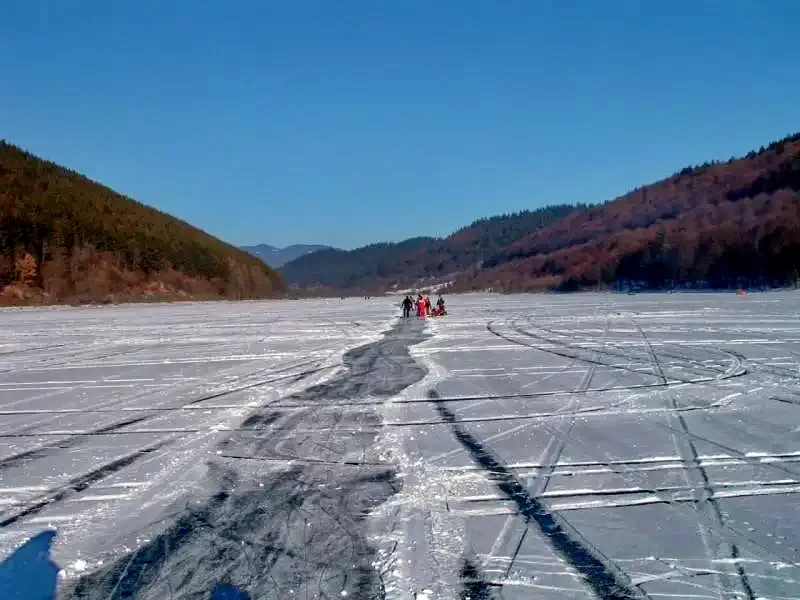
[359,121]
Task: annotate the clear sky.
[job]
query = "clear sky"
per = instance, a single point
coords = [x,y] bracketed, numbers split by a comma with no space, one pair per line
[348,122]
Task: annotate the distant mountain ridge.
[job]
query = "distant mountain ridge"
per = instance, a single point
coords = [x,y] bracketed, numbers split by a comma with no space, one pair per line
[277,257]
[719,224]
[385,265]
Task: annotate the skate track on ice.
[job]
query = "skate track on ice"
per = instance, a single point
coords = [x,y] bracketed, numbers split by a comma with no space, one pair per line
[579,446]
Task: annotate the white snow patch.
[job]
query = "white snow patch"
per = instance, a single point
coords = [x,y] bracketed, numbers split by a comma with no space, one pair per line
[79,565]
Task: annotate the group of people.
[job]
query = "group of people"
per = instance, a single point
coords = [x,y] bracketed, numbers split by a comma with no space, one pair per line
[423,307]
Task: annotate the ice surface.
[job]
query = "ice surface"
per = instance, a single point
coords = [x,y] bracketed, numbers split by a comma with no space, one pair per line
[572,446]
[649,428]
[112,417]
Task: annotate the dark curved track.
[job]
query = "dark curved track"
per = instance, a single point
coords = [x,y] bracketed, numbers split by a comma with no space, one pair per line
[280,525]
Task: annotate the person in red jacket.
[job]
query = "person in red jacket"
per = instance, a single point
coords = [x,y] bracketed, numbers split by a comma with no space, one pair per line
[421,312]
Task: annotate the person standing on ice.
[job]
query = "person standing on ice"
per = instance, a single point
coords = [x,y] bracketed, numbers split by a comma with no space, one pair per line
[420,306]
[407,304]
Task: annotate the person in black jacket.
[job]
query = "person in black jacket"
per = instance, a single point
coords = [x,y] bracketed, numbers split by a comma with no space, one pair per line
[407,304]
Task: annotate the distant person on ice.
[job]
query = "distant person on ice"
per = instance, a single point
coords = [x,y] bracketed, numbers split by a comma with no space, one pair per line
[439,310]
[421,312]
[407,304]
[428,305]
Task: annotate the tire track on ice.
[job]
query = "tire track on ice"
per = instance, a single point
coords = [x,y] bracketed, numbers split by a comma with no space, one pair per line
[698,481]
[62,492]
[71,441]
[281,532]
[81,483]
[691,466]
[606,580]
[678,506]
[549,457]
[659,371]
[572,349]
[63,444]
[700,485]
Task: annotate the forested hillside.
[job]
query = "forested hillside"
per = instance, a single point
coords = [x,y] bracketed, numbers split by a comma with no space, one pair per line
[380,266]
[64,237]
[719,224]
[713,225]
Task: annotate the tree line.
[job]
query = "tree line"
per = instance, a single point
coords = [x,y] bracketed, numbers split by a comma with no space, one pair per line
[721,225]
[68,236]
[379,266]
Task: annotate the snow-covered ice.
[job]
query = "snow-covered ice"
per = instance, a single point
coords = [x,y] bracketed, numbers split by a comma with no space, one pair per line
[602,445]
[574,446]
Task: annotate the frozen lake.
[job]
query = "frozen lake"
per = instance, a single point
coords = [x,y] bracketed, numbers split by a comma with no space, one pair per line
[575,446]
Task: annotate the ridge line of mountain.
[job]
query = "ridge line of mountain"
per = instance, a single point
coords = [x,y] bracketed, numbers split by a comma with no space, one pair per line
[67,239]
[718,224]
